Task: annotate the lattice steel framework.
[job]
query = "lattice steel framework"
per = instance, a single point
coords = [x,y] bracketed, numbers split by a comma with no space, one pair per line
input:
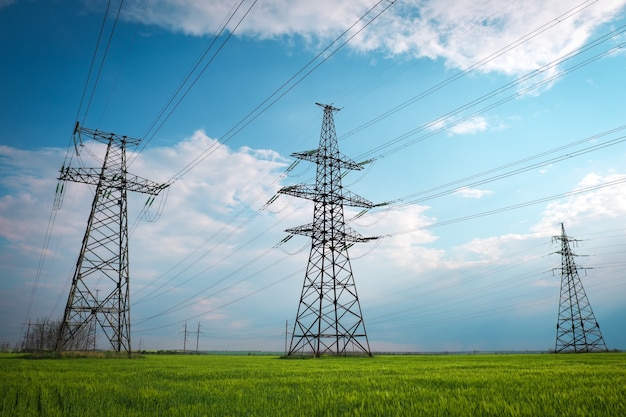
[329,318]
[99,294]
[577,329]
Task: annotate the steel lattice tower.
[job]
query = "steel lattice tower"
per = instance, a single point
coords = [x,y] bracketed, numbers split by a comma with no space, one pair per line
[329,318]
[577,329]
[100,286]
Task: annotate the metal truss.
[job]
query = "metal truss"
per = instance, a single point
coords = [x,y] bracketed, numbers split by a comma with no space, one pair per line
[577,329]
[329,318]
[99,294]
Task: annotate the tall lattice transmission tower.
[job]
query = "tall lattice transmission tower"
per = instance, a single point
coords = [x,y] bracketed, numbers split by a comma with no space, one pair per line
[329,318]
[99,294]
[576,329]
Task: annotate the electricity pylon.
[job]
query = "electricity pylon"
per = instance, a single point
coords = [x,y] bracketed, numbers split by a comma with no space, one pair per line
[577,329]
[100,285]
[329,318]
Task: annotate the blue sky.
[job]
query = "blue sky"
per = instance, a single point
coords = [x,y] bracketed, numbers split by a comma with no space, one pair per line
[489,125]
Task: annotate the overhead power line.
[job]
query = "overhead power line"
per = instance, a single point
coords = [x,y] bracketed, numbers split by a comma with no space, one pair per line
[104,56]
[511,207]
[436,126]
[475,66]
[237,131]
[473,181]
[188,83]
[71,148]
[287,86]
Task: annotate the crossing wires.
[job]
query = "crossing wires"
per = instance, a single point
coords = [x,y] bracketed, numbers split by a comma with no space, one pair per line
[324,55]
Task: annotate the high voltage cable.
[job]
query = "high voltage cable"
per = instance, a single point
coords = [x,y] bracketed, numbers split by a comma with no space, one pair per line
[42,257]
[376,318]
[186,302]
[236,300]
[162,117]
[93,60]
[213,148]
[536,32]
[437,224]
[257,111]
[434,123]
[456,185]
[150,295]
[246,221]
[453,281]
[463,18]
[415,321]
[444,303]
[124,60]
[286,87]
[198,160]
[524,169]
[251,116]
[527,203]
[508,208]
[476,274]
[69,150]
[106,51]
[497,91]
[281,91]
[190,168]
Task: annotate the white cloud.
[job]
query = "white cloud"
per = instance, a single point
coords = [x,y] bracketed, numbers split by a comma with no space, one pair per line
[459,127]
[470,126]
[547,169]
[460,32]
[604,203]
[472,192]
[494,249]
[267,19]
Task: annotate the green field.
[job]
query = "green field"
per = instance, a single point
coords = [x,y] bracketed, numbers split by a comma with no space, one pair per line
[219,385]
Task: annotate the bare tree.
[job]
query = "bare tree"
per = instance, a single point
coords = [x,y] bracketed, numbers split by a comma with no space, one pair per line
[41,336]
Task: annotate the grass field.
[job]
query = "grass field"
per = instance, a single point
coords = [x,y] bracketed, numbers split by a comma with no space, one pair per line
[218,385]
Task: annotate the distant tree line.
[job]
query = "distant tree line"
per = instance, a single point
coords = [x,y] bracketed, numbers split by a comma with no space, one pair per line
[41,336]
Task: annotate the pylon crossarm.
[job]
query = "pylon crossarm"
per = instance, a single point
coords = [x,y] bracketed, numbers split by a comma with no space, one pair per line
[92,176]
[104,251]
[310,192]
[105,137]
[348,235]
[342,162]
[300,190]
[354,200]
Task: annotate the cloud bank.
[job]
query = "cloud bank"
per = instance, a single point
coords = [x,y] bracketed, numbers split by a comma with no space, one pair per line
[459,32]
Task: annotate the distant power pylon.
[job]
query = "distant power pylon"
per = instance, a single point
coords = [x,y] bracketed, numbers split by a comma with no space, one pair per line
[329,318]
[577,329]
[100,285]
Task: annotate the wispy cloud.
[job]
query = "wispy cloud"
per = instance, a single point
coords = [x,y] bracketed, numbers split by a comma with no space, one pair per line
[455,126]
[603,203]
[461,33]
[475,193]
[470,126]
